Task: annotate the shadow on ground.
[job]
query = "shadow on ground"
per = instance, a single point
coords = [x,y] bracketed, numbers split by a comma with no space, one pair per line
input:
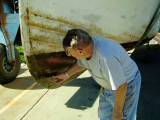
[87,94]
[148,61]
[22,70]
[22,83]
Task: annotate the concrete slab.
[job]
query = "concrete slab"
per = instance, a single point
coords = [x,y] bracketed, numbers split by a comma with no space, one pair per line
[19,96]
[77,100]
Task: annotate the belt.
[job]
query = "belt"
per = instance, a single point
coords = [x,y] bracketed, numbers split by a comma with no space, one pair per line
[102,89]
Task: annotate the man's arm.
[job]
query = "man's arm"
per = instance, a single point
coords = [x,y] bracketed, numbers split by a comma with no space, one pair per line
[120,96]
[60,78]
[74,69]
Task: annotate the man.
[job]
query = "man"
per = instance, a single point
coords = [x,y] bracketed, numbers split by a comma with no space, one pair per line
[111,67]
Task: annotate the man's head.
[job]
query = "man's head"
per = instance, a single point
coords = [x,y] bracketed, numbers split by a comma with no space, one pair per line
[78,43]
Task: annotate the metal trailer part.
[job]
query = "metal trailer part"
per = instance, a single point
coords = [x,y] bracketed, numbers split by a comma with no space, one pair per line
[44,24]
[9,24]
[9,56]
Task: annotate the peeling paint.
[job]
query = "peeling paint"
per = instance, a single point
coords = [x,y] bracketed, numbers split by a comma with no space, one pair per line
[46,23]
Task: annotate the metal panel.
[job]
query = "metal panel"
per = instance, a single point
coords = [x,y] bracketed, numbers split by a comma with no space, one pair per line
[6,8]
[9,24]
[9,28]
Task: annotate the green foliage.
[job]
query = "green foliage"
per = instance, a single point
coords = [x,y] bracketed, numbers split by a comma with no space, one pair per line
[20,50]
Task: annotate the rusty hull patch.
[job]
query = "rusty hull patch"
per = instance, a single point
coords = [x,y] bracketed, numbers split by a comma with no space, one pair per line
[43,66]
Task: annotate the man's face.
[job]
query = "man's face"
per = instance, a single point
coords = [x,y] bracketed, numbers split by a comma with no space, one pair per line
[77,53]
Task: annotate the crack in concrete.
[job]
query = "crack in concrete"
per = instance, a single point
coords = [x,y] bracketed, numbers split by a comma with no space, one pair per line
[34,105]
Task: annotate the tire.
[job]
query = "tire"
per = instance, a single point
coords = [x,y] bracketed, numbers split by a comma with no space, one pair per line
[8,72]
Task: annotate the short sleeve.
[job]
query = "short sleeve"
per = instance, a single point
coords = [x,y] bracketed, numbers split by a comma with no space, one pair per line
[79,62]
[112,71]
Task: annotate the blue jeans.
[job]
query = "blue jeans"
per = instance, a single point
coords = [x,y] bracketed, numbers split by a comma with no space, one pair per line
[107,101]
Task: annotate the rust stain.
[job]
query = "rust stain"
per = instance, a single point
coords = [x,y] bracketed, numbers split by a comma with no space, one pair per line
[3,23]
[48,48]
[3,18]
[43,66]
[60,31]
[57,29]
[65,22]
[92,29]
[54,60]
[10,47]
[131,37]
[27,21]
[41,38]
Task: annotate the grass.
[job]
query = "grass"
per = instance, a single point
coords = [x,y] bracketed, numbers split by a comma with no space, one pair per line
[20,50]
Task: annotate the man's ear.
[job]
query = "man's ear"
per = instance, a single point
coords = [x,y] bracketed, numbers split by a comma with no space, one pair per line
[80,51]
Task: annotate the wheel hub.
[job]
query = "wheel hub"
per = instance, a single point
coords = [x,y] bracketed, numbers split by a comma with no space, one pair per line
[7,67]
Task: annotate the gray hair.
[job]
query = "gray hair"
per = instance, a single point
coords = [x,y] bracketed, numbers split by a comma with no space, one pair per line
[76,38]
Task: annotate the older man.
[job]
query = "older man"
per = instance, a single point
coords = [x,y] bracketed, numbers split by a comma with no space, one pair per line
[111,68]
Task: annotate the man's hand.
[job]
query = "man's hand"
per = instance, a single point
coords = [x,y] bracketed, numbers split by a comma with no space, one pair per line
[117,115]
[60,78]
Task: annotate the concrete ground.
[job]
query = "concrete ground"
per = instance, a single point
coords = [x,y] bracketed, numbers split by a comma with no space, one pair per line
[23,99]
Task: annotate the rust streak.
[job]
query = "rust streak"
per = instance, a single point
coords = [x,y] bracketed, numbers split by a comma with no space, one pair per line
[92,29]
[10,47]
[42,39]
[57,29]
[3,23]
[27,19]
[6,34]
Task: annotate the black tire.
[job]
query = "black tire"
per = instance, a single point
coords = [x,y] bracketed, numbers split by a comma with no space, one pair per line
[8,72]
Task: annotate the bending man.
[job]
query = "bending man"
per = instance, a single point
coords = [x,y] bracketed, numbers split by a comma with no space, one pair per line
[111,67]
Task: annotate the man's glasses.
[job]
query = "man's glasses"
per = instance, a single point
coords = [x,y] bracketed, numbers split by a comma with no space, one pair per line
[67,53]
